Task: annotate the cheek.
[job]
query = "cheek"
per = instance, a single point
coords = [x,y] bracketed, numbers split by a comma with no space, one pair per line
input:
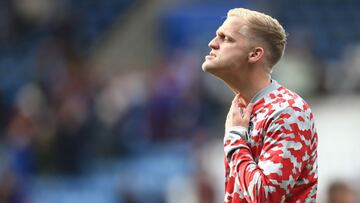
[234,56]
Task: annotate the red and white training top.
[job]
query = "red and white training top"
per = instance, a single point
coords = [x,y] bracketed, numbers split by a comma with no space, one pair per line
[275,159]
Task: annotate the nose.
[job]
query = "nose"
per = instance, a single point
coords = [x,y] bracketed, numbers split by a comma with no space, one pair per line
[213,44]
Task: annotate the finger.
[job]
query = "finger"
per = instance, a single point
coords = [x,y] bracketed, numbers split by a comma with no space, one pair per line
[233,105]
[232,108]
[248,111]
[236,98]
[241,102]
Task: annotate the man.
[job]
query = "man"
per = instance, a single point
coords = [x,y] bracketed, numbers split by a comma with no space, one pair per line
[342,191]
[270,140]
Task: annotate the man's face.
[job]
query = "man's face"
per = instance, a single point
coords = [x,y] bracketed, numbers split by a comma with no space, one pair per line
[229,48]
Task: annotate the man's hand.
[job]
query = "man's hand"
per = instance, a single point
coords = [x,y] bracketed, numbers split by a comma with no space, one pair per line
[239,113]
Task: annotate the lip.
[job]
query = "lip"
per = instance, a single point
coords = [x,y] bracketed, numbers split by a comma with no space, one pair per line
[209,56]
[212,54]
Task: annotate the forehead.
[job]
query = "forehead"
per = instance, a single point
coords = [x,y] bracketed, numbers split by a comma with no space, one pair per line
[232,25]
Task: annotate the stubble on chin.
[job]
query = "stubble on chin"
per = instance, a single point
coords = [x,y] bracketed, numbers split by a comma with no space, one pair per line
[209,66]
[205,67]
[212,70]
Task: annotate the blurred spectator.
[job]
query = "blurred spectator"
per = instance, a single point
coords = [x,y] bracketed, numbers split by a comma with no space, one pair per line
[351,66]
[205,188]
[73,113]
[5,113]
[129,197]
[342,192]
[19,138]
[11,190]
[298,61]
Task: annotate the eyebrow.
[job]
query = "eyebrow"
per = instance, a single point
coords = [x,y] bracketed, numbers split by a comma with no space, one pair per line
[219,32]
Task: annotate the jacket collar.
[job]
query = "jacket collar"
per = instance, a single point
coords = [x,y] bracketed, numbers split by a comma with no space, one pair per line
[265,91]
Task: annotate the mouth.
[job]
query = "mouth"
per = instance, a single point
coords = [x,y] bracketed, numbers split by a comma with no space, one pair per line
[210,55]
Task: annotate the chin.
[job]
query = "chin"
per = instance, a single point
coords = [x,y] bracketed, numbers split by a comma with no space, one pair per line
[213,70]
[206,67]
[210,69]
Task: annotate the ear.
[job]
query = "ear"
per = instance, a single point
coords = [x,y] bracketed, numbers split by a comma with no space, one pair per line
[256,54]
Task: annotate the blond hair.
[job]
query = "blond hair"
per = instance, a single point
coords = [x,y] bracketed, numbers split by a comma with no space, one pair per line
[264,28]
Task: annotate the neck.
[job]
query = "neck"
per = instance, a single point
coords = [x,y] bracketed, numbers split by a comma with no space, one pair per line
[249,85]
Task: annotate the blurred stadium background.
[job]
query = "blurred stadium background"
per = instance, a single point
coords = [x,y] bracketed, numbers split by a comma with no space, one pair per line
[104,101]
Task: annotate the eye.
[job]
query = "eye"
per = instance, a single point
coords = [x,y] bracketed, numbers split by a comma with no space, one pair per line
[223,37]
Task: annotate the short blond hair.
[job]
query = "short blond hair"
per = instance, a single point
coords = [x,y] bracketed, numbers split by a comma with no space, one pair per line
[267,29]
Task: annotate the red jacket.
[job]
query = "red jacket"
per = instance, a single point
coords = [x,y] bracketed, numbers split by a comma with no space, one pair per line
[275,160]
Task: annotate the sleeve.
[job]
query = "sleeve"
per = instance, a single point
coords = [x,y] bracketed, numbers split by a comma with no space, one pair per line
[283,155]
